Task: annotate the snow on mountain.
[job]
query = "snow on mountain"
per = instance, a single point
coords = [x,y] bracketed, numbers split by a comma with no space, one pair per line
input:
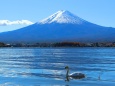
[62,26]
[63,16]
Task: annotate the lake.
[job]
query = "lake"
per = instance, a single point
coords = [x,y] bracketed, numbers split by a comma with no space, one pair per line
[46,66]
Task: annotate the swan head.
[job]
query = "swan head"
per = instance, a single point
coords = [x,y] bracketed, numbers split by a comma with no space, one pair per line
[66,67]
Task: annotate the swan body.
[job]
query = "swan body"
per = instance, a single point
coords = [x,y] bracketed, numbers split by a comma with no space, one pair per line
[76,75]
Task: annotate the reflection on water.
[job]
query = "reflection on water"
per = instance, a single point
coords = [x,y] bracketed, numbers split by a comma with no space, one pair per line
[46,66]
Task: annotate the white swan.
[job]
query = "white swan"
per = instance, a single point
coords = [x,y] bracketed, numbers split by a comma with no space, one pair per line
[76,75]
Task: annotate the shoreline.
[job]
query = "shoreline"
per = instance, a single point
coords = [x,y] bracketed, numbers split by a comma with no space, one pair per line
[58,44]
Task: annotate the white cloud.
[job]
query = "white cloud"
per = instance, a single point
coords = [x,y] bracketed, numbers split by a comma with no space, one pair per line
[17,22]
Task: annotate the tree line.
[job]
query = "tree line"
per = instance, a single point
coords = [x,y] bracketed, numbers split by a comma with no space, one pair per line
[59,44]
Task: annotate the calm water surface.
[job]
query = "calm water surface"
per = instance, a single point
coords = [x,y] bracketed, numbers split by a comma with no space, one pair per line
[46,66]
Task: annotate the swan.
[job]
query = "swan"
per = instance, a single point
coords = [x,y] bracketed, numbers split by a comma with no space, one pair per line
[76,75]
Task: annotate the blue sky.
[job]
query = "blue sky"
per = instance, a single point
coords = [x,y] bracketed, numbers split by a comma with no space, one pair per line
[101,12]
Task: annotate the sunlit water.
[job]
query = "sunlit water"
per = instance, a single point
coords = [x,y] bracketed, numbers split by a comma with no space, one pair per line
[46,66]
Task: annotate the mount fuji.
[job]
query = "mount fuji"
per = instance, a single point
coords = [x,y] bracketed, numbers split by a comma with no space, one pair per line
[62,26]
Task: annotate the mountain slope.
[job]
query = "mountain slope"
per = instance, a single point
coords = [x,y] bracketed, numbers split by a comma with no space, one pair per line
[60,27]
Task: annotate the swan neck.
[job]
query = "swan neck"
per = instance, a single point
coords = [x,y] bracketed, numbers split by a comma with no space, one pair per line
[67,74]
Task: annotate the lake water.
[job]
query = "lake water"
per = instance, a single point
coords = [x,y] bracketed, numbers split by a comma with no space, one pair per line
[46,66]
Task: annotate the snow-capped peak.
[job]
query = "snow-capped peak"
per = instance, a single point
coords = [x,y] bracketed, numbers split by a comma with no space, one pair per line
[63,16]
